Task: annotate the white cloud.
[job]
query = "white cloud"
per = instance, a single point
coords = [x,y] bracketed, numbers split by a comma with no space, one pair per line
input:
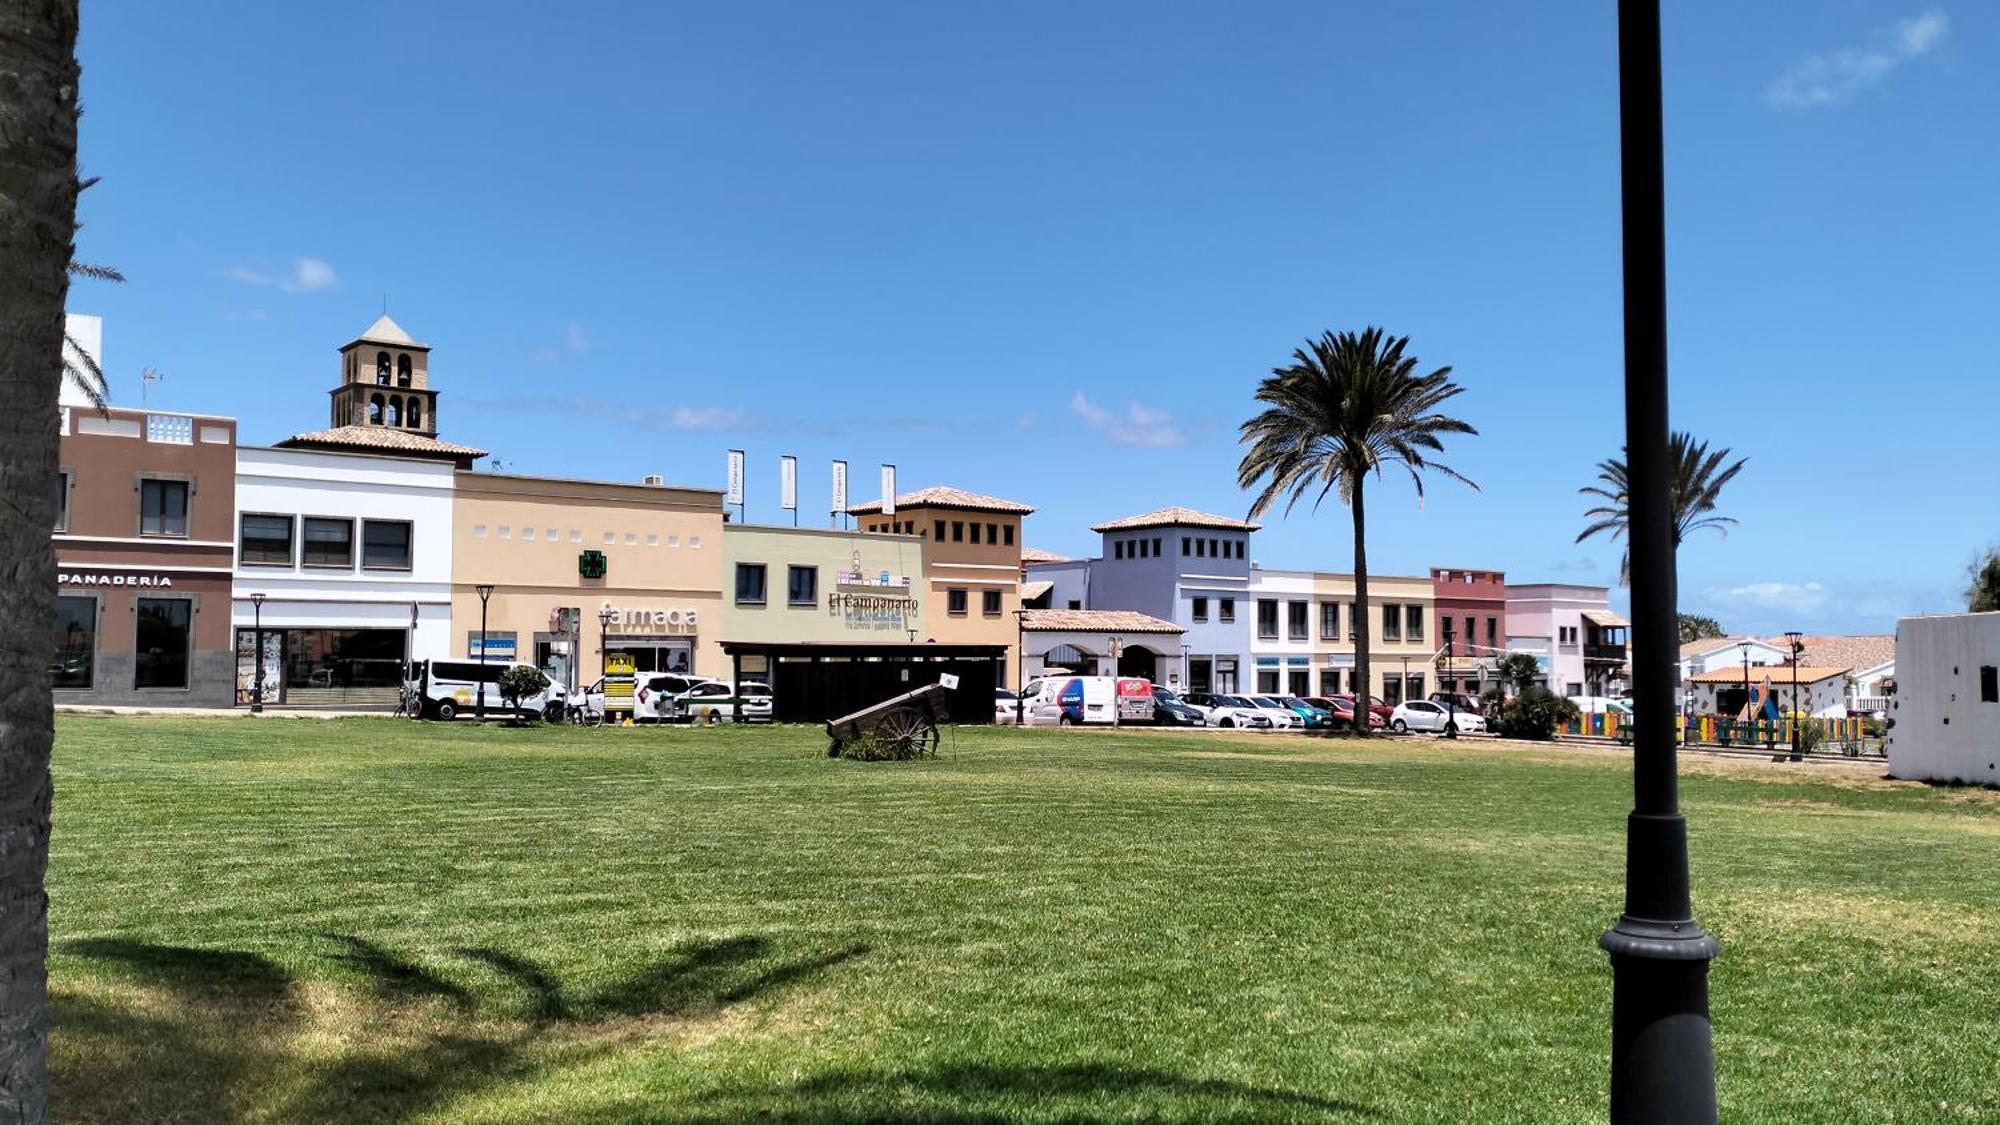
[709,418]
[308,275]
[575,338]
[1140,425]
[1806,599]
[1832,77]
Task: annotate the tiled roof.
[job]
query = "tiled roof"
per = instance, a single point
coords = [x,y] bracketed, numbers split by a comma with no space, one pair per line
[1857,653]
[1771,673]
[386,331]
[946,498]
[1706,645]
[382,439]
[1176,517]
[1037,555]
[1032,590]
[1094,621]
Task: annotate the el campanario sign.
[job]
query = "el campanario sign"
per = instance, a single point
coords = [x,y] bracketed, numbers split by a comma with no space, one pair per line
[65,578]
[871,610]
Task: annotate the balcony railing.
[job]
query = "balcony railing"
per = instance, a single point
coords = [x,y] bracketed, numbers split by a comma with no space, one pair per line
[1610,653]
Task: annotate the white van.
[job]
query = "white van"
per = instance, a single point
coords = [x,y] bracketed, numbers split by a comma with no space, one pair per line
[446,689]
[1070,700]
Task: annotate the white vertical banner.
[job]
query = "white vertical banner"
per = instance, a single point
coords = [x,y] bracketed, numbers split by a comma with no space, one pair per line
[788,482]
[839,488]
[888,490]
[735,476]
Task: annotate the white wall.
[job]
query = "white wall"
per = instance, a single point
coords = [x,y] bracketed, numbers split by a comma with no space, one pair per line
[310,483]
[88,332]
[1944,731]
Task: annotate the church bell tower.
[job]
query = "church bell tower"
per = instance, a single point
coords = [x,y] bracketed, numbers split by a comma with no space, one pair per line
[385,381]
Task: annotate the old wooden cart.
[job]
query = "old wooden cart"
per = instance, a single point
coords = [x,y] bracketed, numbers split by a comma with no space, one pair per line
[908,723]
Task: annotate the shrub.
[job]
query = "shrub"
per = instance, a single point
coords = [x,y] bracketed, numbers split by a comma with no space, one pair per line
[1533,714]
[520,682]
[868,746]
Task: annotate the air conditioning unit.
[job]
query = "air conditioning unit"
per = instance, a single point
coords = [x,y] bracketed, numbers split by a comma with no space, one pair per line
[655,479]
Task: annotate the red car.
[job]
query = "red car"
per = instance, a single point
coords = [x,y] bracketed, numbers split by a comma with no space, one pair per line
[1376,707]
[1341,707]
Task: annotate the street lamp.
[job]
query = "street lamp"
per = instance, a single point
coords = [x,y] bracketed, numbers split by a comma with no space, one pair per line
[1020,666]
[485,591]
[605,617]
[1662,1052]
[1185,649]
[1798,713]
[257,654]
[1745,647]
[1115,646]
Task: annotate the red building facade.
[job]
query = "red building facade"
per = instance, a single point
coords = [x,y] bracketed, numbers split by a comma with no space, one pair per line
[1472,626]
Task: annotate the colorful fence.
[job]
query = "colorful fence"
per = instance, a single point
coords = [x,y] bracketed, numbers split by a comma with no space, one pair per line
[1727,732]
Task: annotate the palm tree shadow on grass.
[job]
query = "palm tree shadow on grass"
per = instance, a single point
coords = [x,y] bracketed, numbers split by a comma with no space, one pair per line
[975,1093]
[221,1044]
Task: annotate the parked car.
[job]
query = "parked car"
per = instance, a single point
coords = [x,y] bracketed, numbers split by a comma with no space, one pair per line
[445,689]
[1069,700]
[1315,716]
[1007,707]
[1602,705]
[1341,707]
[1227,710]
[1170,710]
[717,702]
[1281,716]
[653,695]
[1455,700]
[1423,715]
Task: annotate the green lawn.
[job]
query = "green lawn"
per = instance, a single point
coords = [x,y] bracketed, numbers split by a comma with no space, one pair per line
[367,920]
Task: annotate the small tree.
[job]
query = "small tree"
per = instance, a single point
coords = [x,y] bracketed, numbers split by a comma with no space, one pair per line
[1533,714]
[1695,627]
[521,682]
[1518,671]
[1982,594]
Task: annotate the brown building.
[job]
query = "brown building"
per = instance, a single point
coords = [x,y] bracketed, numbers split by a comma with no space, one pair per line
[144,541]
[972,562]
[1471,626]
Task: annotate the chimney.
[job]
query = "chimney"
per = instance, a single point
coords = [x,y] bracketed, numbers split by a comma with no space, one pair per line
[655,479]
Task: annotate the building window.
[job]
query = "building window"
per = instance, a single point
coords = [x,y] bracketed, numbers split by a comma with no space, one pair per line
[802,586]
[62,501]
[1413,622]
[1267,618]
[160,651]
[1007,535]
[75,663]
[958,531]
[954,602]
[1392,622]
[416,418]
[1118,549]
[381,369]
[1392,689]
[749,583]
[375,410]
[1267,681]
[385,544]
[402,370]
[265,540]
[1329,621]
[1156,546]
[989,603]
[1200,609]
[1414,685]
[1225,610]
[1239,549]
[395,415]
[1297,615]
[163,507]
[1214,548]
[1493,634]
[1201,548]
[992,535]
[939,536]
[1573,689]
[1989,684]
[328,543]
[1074,604]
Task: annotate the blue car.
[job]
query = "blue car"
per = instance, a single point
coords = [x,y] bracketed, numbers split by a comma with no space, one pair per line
[1304,714]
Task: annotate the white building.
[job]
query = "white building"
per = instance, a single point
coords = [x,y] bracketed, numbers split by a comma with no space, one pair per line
[1946,708]
[1098,642]
[353,555]
[1281,631]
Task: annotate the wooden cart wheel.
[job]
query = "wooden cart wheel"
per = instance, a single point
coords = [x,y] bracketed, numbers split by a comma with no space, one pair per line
[911,732]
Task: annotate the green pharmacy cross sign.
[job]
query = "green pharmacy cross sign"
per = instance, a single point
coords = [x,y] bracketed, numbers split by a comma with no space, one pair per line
[591,564]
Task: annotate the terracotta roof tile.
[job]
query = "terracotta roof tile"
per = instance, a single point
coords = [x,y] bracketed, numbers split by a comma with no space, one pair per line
[941,497]
[1706,645]
[1094,621]
[1037,555]
[1176,517]
[1767,673]
[1857,652]
[382,439]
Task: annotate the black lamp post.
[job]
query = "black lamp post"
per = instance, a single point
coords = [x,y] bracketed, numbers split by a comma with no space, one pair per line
[1798,712]
[1662,1055]
[485,592]
[605,617]
[1450,706]
[1744,647]
[257,654]
[1020,666]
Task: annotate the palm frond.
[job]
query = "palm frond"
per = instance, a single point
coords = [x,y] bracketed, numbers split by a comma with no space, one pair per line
[1695,485]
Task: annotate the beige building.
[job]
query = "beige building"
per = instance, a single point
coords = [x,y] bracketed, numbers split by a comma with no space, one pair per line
[648,555]
[972,561]
[1401,633]
[793,585]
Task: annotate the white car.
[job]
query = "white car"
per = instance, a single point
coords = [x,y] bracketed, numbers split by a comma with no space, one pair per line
[716,702]
[1230,711]
[1282,717]
[1423,715]
[653,695]
[1006,707]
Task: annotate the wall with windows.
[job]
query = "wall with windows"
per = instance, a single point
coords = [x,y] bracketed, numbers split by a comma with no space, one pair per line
[1401,635]
[353,554]
[1282,628]
[1947,702]
[972,564]
[790,584]
[1555,611]
[143,505]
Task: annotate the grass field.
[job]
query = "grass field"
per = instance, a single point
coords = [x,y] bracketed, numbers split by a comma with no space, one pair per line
[364,920]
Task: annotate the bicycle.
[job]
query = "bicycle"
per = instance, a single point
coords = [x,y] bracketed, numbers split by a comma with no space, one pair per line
[582,715]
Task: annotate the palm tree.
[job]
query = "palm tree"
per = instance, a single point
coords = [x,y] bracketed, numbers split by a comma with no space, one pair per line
[1345,408]
[1698,477]
[38,84]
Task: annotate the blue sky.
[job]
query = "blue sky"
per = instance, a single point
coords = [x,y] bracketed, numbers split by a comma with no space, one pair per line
[1046,251]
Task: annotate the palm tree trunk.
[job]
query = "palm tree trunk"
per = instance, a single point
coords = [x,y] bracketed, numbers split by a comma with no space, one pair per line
[1363,685]
[38,84]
